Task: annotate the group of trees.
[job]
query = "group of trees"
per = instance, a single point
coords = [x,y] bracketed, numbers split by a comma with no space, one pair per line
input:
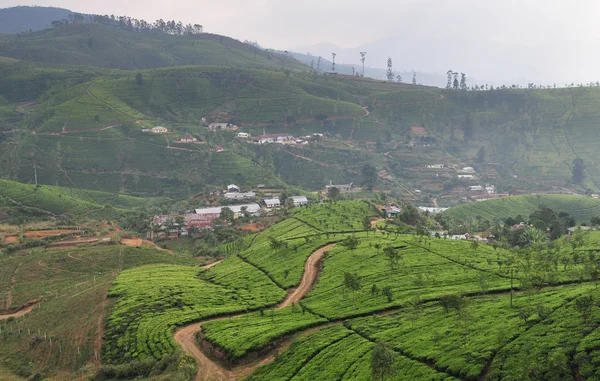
[453,83]
[133,24]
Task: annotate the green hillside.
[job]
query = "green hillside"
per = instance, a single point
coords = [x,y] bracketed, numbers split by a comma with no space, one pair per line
[102,46]
[18,200]
[444,309]
[579,207]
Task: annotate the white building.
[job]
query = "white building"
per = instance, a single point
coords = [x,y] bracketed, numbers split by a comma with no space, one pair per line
[490,189]
[159,130]
[233,188]
[431,210]
[299,200]
[252,209]
[475,188]
[435,166]
[238,196]
[468,169]
[243,135]
[272,202]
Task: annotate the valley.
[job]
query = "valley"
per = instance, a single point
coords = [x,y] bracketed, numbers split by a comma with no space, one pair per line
[180,205]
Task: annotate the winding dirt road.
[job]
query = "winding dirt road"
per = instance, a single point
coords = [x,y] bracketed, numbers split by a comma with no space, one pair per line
[311,270]
[208,369]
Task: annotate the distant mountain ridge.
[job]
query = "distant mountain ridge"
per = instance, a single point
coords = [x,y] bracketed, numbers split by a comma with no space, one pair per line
[24,19]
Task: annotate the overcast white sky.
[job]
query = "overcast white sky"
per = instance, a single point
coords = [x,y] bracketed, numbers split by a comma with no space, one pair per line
[292,24]
[348,23]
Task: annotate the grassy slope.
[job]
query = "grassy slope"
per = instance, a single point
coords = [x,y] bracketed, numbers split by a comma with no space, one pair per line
[580,208]
[51,200]
[73,284]
[101,46]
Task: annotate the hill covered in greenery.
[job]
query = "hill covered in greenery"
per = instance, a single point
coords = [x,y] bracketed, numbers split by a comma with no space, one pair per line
[582,209]
[88,44]
[25,19]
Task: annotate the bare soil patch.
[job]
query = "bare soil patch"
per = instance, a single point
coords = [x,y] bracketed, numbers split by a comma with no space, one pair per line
[11,239]
[419,130]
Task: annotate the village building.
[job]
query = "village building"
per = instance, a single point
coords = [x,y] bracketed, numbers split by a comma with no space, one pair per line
[432,210]
[299,200]
[490,189]
[475,188]
[272,138]
[232,188]
[435,166]
[159,130]
[466,177]
[221,126]
[391,211]
[252,209]
[243,135]
[238,196]
[468,169]
[186,139]
[343,188]
[272,202]
[220,149]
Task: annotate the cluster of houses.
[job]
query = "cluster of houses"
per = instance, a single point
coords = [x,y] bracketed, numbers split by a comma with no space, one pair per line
[175,225]
[282,138]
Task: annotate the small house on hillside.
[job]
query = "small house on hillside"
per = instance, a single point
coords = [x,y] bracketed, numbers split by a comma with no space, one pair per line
[272,138]
[272,202]
[221,126]
[186,139]
[435,166]
[243,135]
[237,196]
[391,211]
[466,177]
[299,200]
[159,130]
[232,188]
[475,188]
[468,169]
[343,188]
[220,149]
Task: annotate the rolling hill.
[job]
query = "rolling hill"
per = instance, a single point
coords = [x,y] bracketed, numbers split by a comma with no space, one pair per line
[25,19]
[109,47]
[579,207]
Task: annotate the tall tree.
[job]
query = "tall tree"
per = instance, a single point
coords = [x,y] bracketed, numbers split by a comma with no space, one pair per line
[390,71]
[399,78]
[369,176]
[449,83]
[481,155]
[382,362]
[333,193]
[227,214]
[362,60]
[352,283]
[393,256]
[463,81]
[414,81]
[455,84]
[319,63]
[578,171]
[333,62]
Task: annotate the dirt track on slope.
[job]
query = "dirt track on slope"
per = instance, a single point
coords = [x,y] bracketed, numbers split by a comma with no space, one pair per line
[208,369]
[311,270]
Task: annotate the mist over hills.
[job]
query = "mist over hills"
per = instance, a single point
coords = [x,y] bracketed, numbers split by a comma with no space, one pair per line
[23,19]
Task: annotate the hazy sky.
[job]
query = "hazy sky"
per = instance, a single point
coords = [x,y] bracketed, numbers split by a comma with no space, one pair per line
[349,23]
[548,25]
